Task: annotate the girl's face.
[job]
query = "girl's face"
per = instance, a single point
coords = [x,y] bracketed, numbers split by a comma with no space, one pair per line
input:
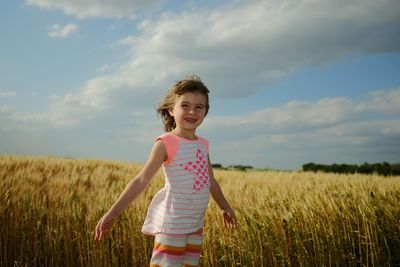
[189,111]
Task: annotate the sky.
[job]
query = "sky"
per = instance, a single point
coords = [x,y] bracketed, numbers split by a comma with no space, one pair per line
[291,81]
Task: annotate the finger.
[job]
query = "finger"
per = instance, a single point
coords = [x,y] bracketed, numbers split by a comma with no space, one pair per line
[232,222]
[98,232]
[231,226]
[102,231]
[225,222]
[233,219]
[96,236]
[98,228]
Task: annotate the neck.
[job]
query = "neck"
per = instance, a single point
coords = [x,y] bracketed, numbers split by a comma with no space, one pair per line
[184,133]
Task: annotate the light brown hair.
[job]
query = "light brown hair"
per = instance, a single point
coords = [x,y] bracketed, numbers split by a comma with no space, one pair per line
[191,84]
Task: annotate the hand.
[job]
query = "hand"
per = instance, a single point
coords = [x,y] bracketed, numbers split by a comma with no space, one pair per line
[229,218]
[104,227]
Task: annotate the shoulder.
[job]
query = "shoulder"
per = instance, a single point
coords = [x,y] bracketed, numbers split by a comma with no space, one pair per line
[158,144]
[159,149]
[170,144]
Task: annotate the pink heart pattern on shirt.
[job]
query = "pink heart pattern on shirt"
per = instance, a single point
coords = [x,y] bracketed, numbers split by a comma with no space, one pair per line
[199,170]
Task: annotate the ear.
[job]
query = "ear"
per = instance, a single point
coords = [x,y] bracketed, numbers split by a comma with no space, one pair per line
[171,112]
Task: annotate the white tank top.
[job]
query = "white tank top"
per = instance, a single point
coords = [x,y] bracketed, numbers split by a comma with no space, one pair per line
[179,207]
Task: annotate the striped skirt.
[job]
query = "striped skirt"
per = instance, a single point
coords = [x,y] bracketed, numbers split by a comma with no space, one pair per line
[177,250]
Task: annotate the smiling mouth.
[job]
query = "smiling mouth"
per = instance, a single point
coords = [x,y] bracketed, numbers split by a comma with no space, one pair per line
[190,120]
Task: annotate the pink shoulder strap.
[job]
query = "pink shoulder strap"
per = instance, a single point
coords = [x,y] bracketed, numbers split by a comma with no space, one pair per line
[171,144]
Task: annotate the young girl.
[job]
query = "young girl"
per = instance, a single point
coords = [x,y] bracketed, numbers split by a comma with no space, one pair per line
[176,214]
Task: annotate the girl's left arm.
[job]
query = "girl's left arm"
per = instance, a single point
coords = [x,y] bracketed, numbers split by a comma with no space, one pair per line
[229,218]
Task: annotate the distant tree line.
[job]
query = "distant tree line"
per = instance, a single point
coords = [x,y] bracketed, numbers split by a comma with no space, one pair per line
[383,168]
[232,167]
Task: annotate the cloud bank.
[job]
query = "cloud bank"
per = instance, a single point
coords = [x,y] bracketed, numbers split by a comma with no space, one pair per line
[345,128]
[237,49]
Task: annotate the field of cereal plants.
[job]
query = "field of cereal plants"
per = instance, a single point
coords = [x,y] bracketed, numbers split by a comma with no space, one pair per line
[49,208]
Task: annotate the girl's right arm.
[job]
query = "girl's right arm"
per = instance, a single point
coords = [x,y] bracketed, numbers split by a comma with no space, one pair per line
[157,156]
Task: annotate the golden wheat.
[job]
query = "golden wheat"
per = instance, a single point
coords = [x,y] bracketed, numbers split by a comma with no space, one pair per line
[49,208]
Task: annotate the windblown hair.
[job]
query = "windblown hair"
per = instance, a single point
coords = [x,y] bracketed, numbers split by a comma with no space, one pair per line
[190,83]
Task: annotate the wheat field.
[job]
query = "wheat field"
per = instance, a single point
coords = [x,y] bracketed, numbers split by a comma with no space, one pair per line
[49,208]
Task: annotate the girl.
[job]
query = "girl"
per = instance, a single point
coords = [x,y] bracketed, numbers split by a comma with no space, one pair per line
[176,214]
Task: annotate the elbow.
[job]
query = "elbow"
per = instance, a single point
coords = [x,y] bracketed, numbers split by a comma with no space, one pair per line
[141,181]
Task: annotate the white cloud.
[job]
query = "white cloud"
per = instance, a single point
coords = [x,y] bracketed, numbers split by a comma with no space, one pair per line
[61,32]
[382,101]
[11,115]
[6,110]
[106,67]
[96,8]
[293,116]
[7,94]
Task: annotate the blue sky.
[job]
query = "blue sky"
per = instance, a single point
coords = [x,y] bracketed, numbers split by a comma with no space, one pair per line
[291,82]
